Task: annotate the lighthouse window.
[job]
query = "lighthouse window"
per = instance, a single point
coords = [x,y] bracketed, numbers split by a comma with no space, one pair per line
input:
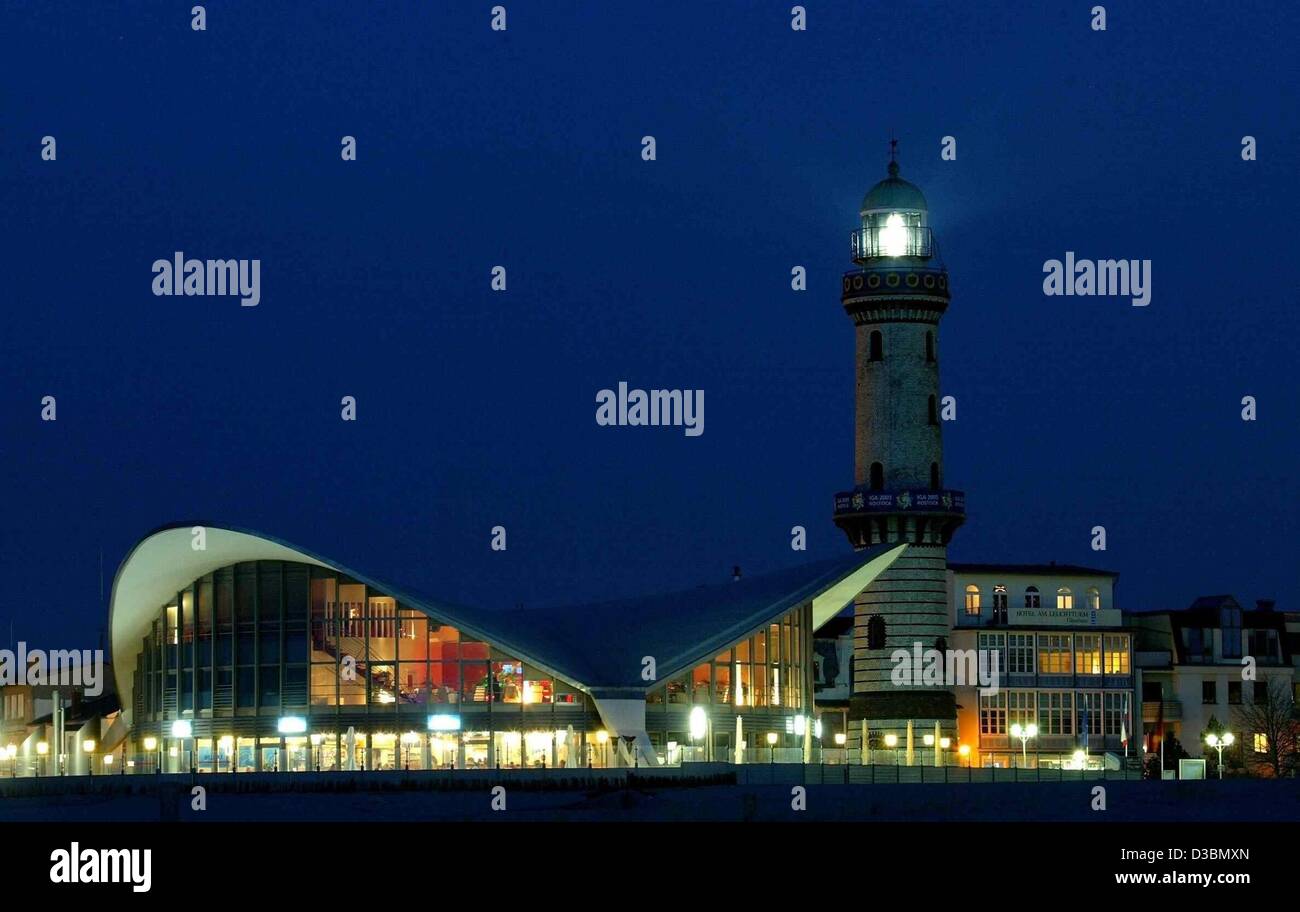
[877,477]
[875,632]
[929,347]
[934,411]
[934,476]
[877,346]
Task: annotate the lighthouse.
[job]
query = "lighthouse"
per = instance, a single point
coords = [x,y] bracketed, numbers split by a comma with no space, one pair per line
[896,296]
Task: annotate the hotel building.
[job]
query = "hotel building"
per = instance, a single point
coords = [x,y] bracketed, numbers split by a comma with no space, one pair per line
[1066,660]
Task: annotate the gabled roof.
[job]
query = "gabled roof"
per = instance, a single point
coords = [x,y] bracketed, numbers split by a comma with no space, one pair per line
[597,647]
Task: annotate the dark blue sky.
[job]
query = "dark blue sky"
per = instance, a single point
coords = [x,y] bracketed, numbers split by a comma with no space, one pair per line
[523,149]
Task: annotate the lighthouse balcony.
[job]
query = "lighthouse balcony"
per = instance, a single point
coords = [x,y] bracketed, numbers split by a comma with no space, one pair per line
[911,500]
[889,241]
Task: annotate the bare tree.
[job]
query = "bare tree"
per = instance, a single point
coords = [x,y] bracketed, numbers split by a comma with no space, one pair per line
[1273,717]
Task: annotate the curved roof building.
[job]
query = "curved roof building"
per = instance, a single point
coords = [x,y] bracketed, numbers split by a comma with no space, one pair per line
[235,650]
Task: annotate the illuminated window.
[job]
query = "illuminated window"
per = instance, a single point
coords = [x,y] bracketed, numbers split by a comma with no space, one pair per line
[1261,743]
[1094,599]
[972,599]
[1064,599]
[1054,655]
[1031,597]
[1116,654]
[1088,654]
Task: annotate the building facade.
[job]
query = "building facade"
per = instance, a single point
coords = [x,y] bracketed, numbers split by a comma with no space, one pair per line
[255,655]
[1212,660]
[1066,665]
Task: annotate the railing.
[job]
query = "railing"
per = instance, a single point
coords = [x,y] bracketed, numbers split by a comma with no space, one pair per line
[917,500]
[890,241]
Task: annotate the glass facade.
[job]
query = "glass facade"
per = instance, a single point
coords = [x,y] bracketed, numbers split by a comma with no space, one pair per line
[248,649]
[276,665]
[764,678]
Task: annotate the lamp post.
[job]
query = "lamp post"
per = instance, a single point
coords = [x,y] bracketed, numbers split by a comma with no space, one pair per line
[602,738]
[151,745]
[408,739]
[964,752]
[1024,733]
[88,748]
[1219,742]
[699,724]
[316,739]
[42,749]
[771,747]
[891,742]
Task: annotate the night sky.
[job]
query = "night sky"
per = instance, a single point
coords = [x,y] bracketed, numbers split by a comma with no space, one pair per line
[522,149]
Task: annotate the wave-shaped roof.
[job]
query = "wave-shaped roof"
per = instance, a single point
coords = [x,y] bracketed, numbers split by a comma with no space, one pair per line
[598,647]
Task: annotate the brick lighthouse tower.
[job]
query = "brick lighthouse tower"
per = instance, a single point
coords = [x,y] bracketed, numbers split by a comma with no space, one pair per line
[896,298]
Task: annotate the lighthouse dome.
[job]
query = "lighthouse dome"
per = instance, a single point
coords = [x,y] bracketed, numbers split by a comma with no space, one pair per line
[895,194]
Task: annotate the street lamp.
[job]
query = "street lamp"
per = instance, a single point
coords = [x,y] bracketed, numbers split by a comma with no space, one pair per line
[699,725]
[1024,733]
[1078,759]
[771,747]
[408,739]
[316,739]
[151,745]
[602,738]
[1219,742]
[840,739]
[964,752]
[88,748]
[41,750]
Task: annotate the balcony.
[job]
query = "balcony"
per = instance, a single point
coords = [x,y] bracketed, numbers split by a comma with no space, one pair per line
[912,500]
[1151,710]
[890,241]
